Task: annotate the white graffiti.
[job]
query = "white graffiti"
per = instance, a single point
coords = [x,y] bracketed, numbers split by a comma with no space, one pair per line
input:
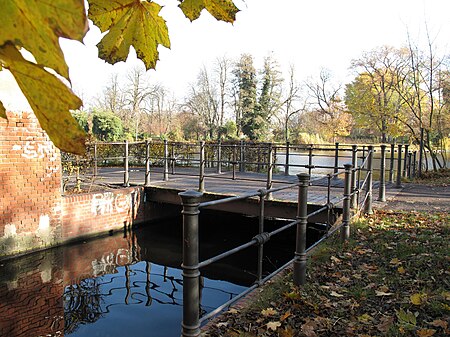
[108,202]
[39,150]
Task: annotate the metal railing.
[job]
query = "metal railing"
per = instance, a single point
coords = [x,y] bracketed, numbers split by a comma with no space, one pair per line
[233,161]
[192,204]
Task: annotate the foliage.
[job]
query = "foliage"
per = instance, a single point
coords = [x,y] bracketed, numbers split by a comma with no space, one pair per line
[390,280]
[106,126]
[36,26]
[82,119]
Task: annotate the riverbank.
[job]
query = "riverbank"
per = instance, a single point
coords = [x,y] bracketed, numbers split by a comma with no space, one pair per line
[390,279]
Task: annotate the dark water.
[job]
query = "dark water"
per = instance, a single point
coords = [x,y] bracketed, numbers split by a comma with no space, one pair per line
[128,284]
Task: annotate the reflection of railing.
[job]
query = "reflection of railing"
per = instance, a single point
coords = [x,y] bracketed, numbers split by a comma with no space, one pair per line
[210,160]
[192,204]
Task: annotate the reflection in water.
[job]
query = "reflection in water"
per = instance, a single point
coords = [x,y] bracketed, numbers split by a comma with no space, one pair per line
[127,284]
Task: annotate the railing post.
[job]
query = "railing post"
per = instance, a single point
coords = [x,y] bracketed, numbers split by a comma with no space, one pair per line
[391,164]
[336,159]
[421,151]
[201,178]
[242,156]
[409,165]
[219,157]
[190,326]
[345,229]
[269,171]
[382,187]
[166,160]
[260,231]
[399,167]
[126,173]
[95,160]
[368,204]
[405,161]
[414,164]
[302,217]
[286,161]
[310,158]
[354,200]
[147,163]
[172,159]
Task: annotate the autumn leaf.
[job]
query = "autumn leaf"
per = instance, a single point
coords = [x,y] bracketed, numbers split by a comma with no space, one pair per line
[268,312]
[439,323]
[395,261]
[37,26]
[50,99]
[2,110]
[130,23]
[425,332]
[418,299]
[273,326]
[224,10]
[382,293]
[401,270]
[335,294]
[285,316]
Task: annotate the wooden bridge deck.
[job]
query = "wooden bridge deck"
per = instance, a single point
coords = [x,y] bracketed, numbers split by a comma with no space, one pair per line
[245,182]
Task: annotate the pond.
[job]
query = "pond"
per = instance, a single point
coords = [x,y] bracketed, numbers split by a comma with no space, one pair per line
[129,283]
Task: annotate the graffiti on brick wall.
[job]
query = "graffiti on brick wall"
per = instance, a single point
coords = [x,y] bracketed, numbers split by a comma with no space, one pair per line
[108,203]
[39,150]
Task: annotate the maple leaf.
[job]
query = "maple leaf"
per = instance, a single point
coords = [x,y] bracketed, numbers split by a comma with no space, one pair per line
[50,99]
[130,23]
[224,10]
[37,26]
[268,312]
[273,325]
[426,332]
[439,323]
[418,299]
[2,110]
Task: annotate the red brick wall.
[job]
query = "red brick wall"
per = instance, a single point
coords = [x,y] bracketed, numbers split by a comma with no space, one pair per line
[30,179]
[91,213]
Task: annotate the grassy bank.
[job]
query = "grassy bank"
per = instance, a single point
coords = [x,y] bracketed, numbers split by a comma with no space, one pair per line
[390,279]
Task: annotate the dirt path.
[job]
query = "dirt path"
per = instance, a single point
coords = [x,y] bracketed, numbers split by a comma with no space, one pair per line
[418,197]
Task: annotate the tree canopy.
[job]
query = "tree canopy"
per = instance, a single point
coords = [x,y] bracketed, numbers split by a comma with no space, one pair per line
[36,26]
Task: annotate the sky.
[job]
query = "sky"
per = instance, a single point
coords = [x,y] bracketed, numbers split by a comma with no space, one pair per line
[307,34]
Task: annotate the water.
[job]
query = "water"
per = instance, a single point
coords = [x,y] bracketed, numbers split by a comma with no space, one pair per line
[128,284]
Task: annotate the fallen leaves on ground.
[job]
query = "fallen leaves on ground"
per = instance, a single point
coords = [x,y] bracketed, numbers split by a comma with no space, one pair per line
[390,279]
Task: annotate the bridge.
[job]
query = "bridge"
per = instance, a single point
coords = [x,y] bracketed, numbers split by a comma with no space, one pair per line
[263,180]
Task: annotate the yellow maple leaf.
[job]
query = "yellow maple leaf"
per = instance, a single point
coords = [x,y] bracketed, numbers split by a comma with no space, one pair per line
[401,270]
[50,99]
[224,10]
[2,110]
[418,299]
[129,23]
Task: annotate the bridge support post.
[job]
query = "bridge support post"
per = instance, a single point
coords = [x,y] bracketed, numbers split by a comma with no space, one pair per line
[300,242]
[219,157]
[399,167]
[242,156]
[126,171]
[368,203]
[190,326]
[201,177]
[382,187]
[345,230]
[391,164]
[336,159]
[269,171]
[354,200]
[286,161]
[147,163]
[166,160]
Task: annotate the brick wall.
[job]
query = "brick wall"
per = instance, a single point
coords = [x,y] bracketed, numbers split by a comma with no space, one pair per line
[91,213]
[33,213]
[30,179]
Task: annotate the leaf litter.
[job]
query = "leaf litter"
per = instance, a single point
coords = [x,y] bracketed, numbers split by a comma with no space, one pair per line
[390,279]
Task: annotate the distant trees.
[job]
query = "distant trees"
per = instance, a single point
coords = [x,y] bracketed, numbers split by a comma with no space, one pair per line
[402,92]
